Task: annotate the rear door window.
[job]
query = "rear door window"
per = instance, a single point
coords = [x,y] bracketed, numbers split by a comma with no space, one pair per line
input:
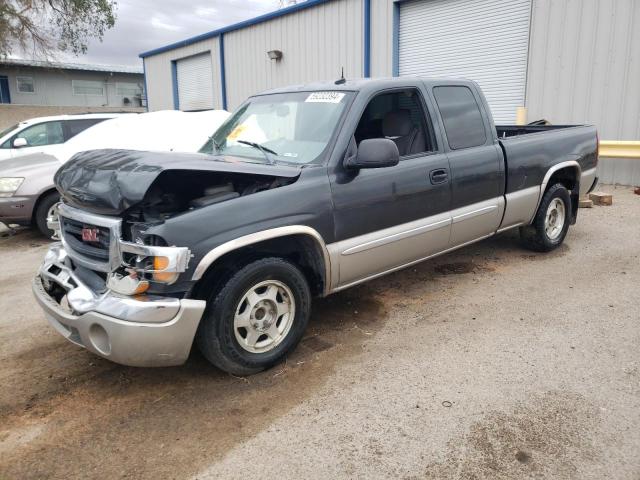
[74,127]
[461,116]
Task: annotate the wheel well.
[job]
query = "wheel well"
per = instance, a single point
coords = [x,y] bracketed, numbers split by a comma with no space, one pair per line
[38,201]
[567,176]
[301,250]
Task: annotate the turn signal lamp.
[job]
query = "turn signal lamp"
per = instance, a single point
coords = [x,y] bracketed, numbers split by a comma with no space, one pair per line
[160,264]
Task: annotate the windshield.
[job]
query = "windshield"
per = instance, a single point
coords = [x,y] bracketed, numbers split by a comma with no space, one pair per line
[282,127]
[8,130]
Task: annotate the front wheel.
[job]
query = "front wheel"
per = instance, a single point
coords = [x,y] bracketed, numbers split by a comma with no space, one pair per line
[45,209]
[551,223]
[256,318]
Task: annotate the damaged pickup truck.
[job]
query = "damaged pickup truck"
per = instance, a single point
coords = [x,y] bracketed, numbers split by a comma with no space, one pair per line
[302,192]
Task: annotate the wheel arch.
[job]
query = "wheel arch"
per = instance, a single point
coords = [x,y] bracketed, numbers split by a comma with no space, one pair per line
[567,173]
[298,243]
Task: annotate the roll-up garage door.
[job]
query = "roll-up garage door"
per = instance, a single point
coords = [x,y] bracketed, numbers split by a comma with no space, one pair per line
[195,82]
[482,40]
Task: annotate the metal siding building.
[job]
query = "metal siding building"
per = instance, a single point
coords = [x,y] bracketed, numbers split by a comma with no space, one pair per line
[159,70]
[568,61]
[56,84]
[315,43]
[584,67]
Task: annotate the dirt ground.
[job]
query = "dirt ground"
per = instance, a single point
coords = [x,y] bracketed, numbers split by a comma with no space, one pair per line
[492,362]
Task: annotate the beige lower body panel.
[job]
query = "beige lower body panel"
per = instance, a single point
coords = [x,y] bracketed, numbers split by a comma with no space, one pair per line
[586,180]
[520,207]
[360,257]
[371,255]
[476,221]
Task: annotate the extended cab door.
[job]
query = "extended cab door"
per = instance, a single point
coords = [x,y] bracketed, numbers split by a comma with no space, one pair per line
[386,218]
[476,161]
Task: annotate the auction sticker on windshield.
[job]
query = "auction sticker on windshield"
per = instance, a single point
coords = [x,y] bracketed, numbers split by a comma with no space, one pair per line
[325,97]
[237,132]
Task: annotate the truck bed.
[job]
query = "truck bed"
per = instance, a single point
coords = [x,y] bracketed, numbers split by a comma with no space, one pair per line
[505,131]
[531,150]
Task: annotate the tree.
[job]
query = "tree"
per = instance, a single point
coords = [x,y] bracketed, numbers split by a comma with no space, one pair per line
[43,27]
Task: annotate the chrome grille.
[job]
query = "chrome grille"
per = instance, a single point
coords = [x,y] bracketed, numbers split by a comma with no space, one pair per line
[102,255]
[72,231]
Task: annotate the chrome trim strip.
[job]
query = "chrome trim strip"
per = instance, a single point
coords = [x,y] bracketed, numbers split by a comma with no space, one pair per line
[476,220]
[395,237]
[252,238]
[363,255]
[474,213]
[547,177]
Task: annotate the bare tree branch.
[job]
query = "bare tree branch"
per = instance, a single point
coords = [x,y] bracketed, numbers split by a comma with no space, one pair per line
[46,26]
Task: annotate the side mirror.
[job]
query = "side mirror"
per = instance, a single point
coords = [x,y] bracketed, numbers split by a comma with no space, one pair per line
[20,142]
[374,153]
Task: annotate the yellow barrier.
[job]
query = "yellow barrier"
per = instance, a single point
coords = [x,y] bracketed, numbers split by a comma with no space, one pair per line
[619,149]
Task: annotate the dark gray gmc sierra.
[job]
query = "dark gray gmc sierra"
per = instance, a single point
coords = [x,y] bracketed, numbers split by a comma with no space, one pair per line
[302,192]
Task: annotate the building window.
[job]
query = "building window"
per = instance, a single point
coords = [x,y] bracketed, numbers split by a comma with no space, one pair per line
[128,89]
[25,85]
[88,87]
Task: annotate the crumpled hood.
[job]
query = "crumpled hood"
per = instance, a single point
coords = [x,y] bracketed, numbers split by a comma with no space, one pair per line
[111,181]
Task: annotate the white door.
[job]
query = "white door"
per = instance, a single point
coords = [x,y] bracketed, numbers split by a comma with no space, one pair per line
[482,40]
[195,82]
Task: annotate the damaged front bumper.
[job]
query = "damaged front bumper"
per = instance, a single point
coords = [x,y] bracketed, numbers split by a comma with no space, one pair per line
[141,331]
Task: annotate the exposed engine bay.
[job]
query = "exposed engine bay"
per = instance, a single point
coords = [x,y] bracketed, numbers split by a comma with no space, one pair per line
[113,182]
[183,191]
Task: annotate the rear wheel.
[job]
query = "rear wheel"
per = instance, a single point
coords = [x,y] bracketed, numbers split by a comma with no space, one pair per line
[256,318]
[551,223]
[44,210]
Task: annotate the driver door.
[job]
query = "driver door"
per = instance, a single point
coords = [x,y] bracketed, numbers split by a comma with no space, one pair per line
[386,218]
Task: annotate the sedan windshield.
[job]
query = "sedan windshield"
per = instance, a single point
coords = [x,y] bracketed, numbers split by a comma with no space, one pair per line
[7,130]
[282,127]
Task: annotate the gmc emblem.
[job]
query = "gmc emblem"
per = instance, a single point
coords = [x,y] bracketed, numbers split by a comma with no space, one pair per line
[89,234]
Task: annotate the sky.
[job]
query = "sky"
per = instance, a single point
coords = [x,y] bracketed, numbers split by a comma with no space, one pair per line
[143,25]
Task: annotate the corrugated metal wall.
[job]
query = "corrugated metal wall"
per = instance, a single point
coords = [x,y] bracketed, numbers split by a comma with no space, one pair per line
[158,72]
[584,67]
[316,43]
[54,87]
[381,38]
[482,40]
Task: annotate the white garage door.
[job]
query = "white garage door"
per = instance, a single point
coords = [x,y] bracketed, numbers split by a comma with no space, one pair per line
[195,82]
[482,40]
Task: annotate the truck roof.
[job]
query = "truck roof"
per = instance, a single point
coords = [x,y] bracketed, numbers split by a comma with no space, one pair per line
[366,84]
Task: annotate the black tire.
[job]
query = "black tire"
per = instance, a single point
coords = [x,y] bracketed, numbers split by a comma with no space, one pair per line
[216,337]
[40,216]
[534,236]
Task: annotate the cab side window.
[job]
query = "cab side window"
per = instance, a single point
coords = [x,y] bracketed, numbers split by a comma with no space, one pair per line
[48,133]
[398,116]
[461,116]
